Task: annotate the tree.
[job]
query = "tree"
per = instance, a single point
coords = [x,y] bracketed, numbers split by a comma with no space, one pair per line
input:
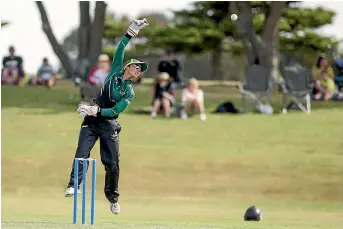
[262,30]
[71,42]
[113,29]
[213,24]
[185,33]
[207,27]
[259,50]
[202,28]
[116,27]
[46,27]
[4,23]
[298,33]
[89,38]
[294,30]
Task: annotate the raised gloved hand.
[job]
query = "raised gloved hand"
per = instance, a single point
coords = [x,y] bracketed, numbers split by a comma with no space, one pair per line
[135,26]
[86,110]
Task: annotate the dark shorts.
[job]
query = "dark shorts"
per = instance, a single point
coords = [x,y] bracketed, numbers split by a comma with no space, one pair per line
[172,102]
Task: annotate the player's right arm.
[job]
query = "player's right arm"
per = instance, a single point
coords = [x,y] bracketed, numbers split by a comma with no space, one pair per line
[119,55]
[118,58]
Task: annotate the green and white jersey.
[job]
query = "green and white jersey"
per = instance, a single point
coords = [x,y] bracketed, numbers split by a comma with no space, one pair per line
[117,93]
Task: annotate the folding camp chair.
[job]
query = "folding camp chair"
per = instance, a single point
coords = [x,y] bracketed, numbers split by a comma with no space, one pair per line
[296,85]
[255,86]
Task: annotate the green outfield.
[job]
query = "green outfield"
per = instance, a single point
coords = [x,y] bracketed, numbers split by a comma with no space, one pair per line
[174,173]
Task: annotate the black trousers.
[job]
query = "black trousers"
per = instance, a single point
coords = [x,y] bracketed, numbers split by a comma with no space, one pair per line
[107,130]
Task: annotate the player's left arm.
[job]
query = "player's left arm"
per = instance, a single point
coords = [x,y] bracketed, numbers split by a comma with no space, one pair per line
[85,110]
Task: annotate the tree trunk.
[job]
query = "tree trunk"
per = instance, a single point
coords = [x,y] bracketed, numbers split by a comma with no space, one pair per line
[63,57]
[269,35]
[216,63]
[4,23]
[84,40]
[275,55]
[84,29]
[258,52]
[246,30]
[97,32]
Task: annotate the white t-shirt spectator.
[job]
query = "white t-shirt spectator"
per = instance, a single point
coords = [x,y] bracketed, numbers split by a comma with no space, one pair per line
[187,95]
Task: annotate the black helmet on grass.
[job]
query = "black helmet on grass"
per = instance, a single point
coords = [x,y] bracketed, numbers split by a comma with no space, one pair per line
[253,214]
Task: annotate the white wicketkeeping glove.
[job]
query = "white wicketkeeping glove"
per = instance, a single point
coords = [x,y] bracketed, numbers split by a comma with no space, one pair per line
[86,110]
[135,26]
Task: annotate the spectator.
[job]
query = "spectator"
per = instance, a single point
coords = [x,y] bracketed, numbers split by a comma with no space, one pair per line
[193,97]
[171,66]
[328,87]
[46,75]
[96,79]
[98,73]
[163,97]
[12,68]
[322,75]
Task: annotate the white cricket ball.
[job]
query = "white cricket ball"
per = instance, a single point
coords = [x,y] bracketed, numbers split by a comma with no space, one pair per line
[234,17]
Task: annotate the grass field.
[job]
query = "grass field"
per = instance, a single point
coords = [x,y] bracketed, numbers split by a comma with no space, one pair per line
[174,173]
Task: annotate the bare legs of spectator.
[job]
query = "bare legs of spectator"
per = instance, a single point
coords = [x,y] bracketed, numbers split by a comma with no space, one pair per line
[10,76]
[51,82]
[34,80]
[14,77]
[318,96]
[189,104]
[327,95]
[4,76]
[157,105]
[166,107]
[200,106]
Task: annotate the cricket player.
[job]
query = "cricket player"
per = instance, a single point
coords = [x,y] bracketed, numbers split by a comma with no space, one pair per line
[100,120]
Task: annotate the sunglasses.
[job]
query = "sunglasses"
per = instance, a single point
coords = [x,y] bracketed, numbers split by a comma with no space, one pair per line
[137,67]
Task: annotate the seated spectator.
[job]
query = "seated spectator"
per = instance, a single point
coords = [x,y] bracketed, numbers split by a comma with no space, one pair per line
[98,73]
[192,97]
[12,69]
[327,87]
[322,75]
[96,79]
[163,96]
[46,75]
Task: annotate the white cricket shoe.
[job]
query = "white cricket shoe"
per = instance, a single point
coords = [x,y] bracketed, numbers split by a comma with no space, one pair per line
[184,115]
[70,192]
[115,208]
[203,117]
[153,115]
